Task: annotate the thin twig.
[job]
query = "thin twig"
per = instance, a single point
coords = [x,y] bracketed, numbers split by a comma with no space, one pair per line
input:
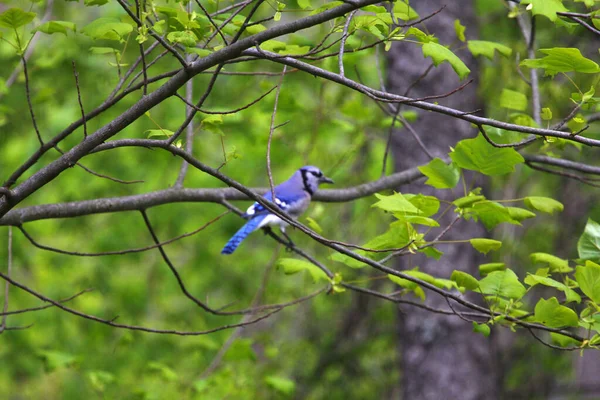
[343,43]
[118,252]
[76,74]
[6,285]
[32,309]
[28,94]
[253,102]
[272,128]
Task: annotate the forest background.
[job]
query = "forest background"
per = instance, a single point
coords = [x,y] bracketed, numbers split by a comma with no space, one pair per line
[520,319]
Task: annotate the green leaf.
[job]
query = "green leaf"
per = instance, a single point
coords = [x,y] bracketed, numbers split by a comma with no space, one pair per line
[519,214]
[465,280]
[570,294]
[484,329]
[467,201]
[440,175]
[314,225]
[404,11]
[15,17]
[562,59]
[395,203]
[546,114]
[502,283]
[100,379]
[588,278]
[551,313]
[90,3]
[51,27]
[485,245]
[273,45]
[186,38]
[478,155]
[425,277]
[107,28]
[491,214]
[562,340]
[432,252]
[427,205]
[440,54]
[547,8]
[588,246]
[56,359]
[285,386]
[103,50]
[513,100]
[304,4]
[556,264]
[485,269]
[459,29]
[543,204]
[410,285]
[292,266]
[487,49]
[159,133]
[200,52]
[166,372]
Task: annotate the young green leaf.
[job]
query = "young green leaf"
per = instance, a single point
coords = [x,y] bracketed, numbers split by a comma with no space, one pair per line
[519,214]
[459,29]
[484,329]
[284,386]
[159,133]
[186,38]
[292,266]
[513,100]
[395,203]
[588,245]
[491,214]
[556,264]
[485,269]
[478,155]
[570,294]
[467,201]
[546,114]
[547,8]
[502,283]
[562,59]
[551,313]
[588,278]
[440,54]
[465,280]
[441,175]
[51,27]
[487,49]
[485,245]
[543,204]
[15,18]
[410,285]
[107,28]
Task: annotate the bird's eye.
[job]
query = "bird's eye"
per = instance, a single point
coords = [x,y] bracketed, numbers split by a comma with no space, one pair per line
[318,174]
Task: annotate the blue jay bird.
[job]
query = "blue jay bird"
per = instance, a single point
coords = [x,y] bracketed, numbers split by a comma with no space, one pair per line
[292,196]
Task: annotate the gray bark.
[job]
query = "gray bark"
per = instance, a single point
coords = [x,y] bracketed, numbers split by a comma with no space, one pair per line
[441,357]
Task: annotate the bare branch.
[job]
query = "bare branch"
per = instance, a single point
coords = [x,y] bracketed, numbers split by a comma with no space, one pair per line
[271,130]
[79,99]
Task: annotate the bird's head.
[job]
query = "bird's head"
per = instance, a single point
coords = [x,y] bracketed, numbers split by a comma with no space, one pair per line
[312,177]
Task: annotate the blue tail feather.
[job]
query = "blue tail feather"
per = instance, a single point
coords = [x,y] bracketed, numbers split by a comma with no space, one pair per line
[241,234]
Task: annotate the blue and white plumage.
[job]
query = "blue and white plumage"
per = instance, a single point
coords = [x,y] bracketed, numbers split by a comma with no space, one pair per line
[292,196]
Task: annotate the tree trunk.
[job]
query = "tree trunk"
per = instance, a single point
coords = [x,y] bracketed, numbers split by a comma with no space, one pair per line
[442,358]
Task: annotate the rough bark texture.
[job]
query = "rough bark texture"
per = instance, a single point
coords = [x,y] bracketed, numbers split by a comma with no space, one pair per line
[441,357]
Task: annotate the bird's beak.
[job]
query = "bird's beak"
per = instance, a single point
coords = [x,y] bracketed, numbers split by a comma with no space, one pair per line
[325,179]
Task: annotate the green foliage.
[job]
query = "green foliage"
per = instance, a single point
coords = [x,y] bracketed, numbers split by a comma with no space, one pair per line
[478,155]
[551,313]
[440,174]
[547,8]
[588,278]
[15,18]
[292,266]
[440,54]
[543,204]
[485,245]
[588,245]
[51,27]
[562,60]
[502,283]
[513,100]
[487,49]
